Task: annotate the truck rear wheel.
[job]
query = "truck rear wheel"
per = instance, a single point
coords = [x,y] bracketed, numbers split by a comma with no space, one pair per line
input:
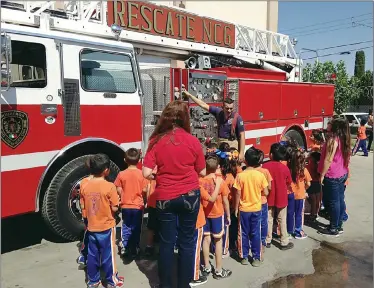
[61,209]
[296,136]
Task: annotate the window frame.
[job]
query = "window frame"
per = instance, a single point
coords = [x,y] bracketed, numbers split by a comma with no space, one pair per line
[15,82]
[107,52]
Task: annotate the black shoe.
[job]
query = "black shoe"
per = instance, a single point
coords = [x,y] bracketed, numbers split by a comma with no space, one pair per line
[205,271]
[268,245]
[340,230]
[287,247]
[149,251]
[329,232]
[202,280]
[224,273]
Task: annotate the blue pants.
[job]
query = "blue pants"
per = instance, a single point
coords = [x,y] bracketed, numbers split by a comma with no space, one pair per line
[299,212]
[334,189]
[249,232]
[291,214]
[233,232]
[360,144]
[131,227]
[264,223]
[101,257]
[185,208]
[84,247]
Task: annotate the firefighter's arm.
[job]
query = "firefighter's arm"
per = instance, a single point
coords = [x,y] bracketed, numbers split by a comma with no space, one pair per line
[199,102]
[242,143]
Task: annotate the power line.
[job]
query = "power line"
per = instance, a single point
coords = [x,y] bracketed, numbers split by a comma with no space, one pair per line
[338,53]
[333,26]
[342,45]
[326,31]
[332,21]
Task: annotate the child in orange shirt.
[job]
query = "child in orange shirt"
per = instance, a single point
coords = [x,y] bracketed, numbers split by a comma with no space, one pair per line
[198,278]
[361,139]
[214,210]
[131,186]
[317,140]
[152,216]
[99,200]
[300,182]
[250,184]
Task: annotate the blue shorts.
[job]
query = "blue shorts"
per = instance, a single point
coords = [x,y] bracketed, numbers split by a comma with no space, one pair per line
[214,227]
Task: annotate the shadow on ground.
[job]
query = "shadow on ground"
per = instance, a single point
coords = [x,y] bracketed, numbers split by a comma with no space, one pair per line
[23,231]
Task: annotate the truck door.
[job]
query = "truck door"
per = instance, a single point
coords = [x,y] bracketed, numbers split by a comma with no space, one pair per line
[100,94]
[31,118]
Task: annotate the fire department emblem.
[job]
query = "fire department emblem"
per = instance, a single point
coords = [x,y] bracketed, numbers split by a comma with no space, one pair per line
[14,127]
[95,204]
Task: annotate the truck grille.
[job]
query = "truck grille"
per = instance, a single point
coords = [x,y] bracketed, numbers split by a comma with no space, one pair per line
[71,103]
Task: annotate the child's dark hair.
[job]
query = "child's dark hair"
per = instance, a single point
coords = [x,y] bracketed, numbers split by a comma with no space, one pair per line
[253,157]
[98,164]
[363,122]
[317,136]
[132,156]
[278,152]
[212,145]
[297,165]
[224,147]
[211,163]
[315,156]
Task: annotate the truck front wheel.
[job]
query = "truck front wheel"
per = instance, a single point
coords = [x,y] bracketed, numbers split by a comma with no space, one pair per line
[296,136]
[61,209]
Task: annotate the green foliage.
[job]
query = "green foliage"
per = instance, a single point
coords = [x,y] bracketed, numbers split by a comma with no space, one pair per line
[359,64]
[346,92]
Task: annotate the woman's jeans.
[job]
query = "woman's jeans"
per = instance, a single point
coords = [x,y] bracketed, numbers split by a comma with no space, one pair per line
[333,192]
[185,208]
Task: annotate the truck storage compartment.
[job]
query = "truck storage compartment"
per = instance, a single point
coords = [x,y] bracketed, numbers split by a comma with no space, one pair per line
[259,101]
[321,100]
[295,101]
[261,134]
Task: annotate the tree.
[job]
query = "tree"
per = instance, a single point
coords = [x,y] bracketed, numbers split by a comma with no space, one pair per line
[365,86]
[359,64]
[346,91]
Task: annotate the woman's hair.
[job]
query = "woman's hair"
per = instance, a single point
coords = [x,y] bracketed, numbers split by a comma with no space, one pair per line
[297,164]
[174,115]
[340,129]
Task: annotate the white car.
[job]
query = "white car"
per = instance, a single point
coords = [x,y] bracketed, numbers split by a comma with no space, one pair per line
[354,119]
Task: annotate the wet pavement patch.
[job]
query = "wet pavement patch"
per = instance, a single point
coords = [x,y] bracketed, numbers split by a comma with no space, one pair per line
[348,264]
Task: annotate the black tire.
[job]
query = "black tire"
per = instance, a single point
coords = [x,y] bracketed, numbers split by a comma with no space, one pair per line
[55,208]
[296,136]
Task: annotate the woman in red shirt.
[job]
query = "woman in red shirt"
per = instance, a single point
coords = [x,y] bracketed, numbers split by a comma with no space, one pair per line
[180,160]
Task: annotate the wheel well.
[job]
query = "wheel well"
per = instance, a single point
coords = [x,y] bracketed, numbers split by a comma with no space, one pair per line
[115,153]
[301,132]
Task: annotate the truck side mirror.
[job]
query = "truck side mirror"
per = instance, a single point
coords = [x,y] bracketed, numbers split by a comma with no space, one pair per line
[6,60]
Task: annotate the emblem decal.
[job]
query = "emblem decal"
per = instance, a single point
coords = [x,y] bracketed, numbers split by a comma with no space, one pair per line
[14,127]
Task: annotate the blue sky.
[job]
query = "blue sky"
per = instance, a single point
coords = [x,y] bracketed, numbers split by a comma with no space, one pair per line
[294,15]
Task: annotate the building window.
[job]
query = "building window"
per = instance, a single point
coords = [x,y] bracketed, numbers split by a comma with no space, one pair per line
[28,67]
[107,72]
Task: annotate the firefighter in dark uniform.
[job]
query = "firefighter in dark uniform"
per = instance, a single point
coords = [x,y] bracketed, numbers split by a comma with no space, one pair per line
[230,123]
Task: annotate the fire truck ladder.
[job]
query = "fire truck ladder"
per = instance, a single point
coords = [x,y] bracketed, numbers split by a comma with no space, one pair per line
[90,18]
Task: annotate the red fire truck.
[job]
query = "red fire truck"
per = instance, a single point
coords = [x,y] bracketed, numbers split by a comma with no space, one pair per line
[83,77]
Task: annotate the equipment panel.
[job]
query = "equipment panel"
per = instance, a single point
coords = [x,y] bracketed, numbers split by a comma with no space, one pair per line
[207,86]
[203,125]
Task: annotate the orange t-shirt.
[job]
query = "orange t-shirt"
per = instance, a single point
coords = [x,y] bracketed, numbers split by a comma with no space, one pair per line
[230,180]
[361,133]
[268,177]
[133,184]
[299,187]
[201,221]
[151,201]
[207,186]
[83,183]
[250,183]
[97,197]
[316,147]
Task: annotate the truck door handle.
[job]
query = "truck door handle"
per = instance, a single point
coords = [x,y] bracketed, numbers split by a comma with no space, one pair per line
[48,109]
[110,95]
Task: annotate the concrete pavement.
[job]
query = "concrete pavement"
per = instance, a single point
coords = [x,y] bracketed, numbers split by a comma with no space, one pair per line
[53,264]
